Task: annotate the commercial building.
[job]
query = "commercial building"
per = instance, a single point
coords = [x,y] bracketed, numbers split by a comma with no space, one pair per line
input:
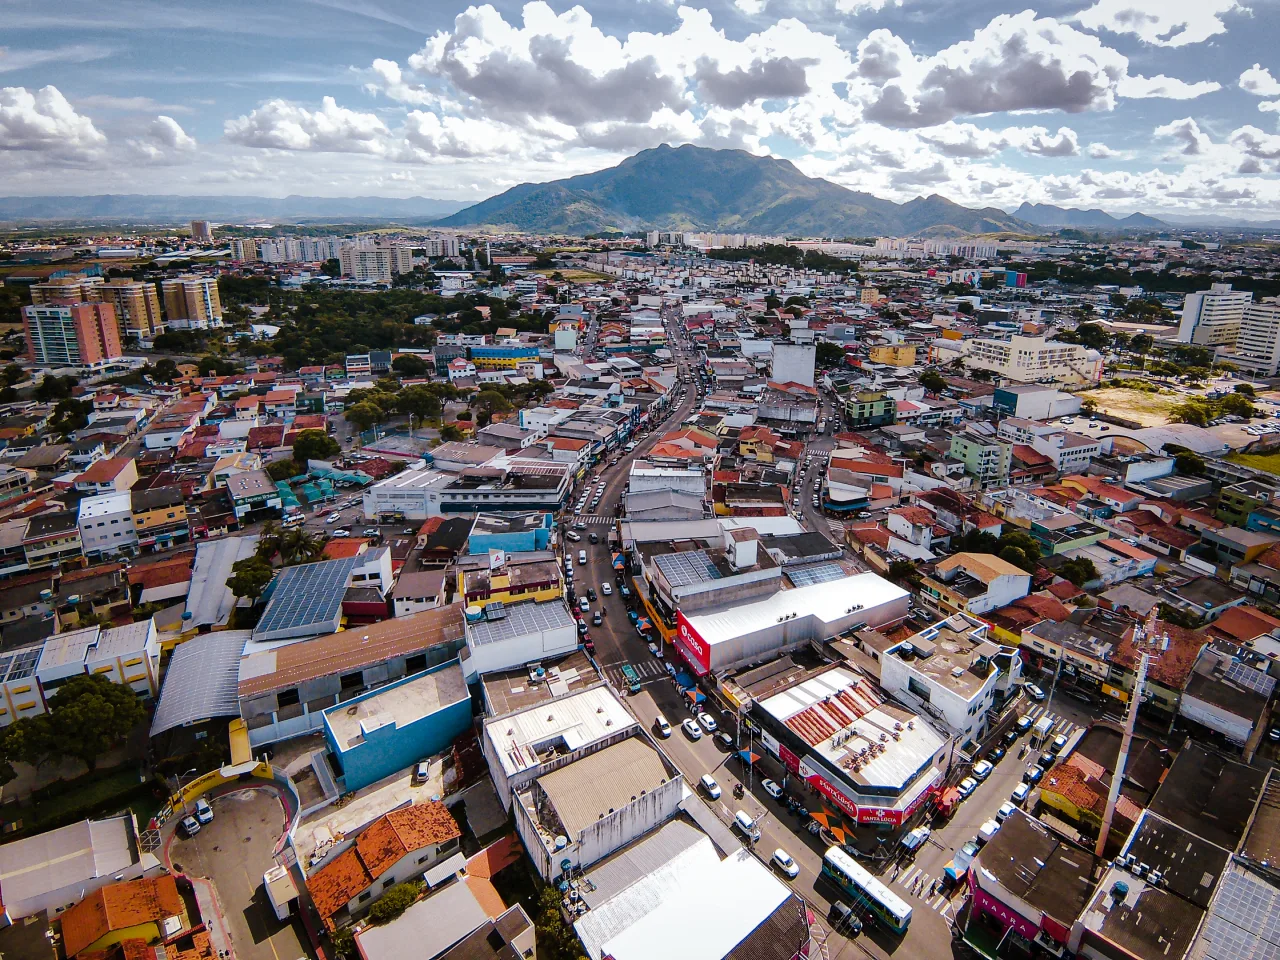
[953,671]
[876,761]
[374,735]
[71,335]
[137,306]
[305,601]
[106,525]
[1211,318]
[201,230]
[1034,359]
[792,362]
[718,638]
[502,485]
[53,870]
[870,408]
[893,354]
[1034,401]
[191,302]
[513,634]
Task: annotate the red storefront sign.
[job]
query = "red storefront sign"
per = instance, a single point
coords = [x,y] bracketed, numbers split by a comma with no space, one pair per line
[696,650]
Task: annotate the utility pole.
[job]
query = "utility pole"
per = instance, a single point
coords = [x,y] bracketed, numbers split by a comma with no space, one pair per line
[1149,647]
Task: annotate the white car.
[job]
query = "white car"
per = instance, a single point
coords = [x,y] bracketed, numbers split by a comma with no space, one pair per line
[1034,692]
[771,788]
[204,812]
[1059,742]
[982,769]
[707,722]
[691,729]
[1020,793]
[1067,421]
[966,787]
[710,787]
[333,518]
[190,826]
[782,860]
[746,825]
[1005,811]
[606,589]
[340,534]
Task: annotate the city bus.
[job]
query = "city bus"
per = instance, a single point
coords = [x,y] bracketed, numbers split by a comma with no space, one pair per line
[866,891]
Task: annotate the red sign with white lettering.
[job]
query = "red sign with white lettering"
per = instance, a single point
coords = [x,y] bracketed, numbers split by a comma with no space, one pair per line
[697,650]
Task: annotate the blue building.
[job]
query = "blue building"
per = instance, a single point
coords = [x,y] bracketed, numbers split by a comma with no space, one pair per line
[393,727]
[517,533]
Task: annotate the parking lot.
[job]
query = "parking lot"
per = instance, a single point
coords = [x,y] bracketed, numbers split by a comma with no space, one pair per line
[233,851]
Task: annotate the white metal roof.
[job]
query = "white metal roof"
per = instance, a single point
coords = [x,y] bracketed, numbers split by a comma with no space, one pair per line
[828,602]
[580,719]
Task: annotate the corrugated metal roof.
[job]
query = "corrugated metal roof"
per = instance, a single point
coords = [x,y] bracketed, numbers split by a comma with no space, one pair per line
[632,864]
[201,680]
[599,783]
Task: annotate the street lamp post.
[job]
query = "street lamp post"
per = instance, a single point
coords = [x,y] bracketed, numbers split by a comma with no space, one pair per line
[178,778]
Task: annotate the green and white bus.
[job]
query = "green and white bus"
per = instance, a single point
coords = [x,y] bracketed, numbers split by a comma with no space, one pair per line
[890,909]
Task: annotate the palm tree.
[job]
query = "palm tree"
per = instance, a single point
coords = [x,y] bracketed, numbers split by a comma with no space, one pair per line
[298,546]
[268,540]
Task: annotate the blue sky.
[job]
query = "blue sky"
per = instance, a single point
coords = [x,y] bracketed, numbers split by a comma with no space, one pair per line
[1167,106]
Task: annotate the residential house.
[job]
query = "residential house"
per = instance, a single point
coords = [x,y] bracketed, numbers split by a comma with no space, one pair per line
[106,525]
[974,583]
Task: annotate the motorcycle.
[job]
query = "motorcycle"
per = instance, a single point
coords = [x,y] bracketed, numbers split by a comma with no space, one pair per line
[738,791]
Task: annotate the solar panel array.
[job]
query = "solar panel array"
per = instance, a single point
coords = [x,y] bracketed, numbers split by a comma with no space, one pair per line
[306,595]
[521,620]
[1250,678]
[1245,922]
[24,664]
[811,573]
[684,569]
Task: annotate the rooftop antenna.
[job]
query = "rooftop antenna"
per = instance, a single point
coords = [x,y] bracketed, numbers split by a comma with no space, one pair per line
[1149,646]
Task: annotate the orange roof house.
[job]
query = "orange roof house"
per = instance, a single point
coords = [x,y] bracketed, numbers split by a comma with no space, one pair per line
[120,911]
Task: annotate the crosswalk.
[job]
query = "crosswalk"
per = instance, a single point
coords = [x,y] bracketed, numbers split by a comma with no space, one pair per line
[925,887]
[647,669]
[1061,725]
[592,519]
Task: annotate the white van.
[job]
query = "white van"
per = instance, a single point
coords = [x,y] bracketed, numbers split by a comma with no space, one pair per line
[582,558]
[747,826]
[293,520]
[660,724]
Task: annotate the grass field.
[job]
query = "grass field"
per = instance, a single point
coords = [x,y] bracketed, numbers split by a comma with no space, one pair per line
[584,275]
[1270,462]
[1148,409]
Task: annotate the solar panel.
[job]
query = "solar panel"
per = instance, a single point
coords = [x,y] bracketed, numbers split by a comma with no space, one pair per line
[1245,922]
[306,595]
[1250,678]
[683,569]
[810,573]
[24,664]
[495,610]
[521,620]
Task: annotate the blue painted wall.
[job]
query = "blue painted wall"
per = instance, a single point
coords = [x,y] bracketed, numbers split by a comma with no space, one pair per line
[393,748]
[520,542]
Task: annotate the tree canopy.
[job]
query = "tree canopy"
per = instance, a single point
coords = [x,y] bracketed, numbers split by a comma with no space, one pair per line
[314,445]
[249,577]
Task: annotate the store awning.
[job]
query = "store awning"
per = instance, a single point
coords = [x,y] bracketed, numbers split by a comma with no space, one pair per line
[697,696]
[619,562]
[748,757]
[644,623]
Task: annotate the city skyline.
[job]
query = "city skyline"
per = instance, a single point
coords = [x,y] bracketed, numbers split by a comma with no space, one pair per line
[1164,108]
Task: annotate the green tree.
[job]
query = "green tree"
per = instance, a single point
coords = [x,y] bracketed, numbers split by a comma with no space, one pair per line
[1189,464]
[420,402]
[88,715]
[1021,549]
[332,267]
[1245,388]
[394,902]
[343,944]
[450,431]
[965,307]
[55,388]
[1088,405]
[165,370]
[408,365]
[1079,571]
[70,415]
[283,469]
[1236,404]
[489,402]
[829,354]
[1195,412]
[1093,336]
[249,577]
[904,572]
[1142,343]
[298,546]
[933,381]
[556,939]
[314,445]
[365,414]
[13,374]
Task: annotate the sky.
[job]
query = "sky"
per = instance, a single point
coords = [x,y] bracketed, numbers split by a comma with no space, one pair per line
[1160,106]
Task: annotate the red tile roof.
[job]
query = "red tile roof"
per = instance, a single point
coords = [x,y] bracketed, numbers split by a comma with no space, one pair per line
[118,906]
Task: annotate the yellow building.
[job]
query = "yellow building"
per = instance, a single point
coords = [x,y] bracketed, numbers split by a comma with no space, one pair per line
[484,578]
[133,910]
[191,302]
[870,295]
[75,289]
[137,307]
[895,355]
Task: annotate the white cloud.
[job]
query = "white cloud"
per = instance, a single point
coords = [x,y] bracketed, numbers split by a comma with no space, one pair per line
[386,77]
[1165,23]
[43,120]
[750,7]
[1187,133]
[1016,62]
[1170,88]
[1259,81]
[1100,151]
[1038,142]
[854,7]
[283,125]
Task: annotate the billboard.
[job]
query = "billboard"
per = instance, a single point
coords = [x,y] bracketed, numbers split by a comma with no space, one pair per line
[696,650]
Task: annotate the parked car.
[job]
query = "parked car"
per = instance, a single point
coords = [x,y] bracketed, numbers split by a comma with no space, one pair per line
[842,918]
[606,589]
[1033,774]
[1023,724]
[421,772]
[982,769]
[204,812]
[591,594]
[996,755]
[707,722]
[709,786]
[724,739]
[584,604]
[1034,692]
[1010,737]
[782,860]
[190,826]
[333,518]
[1020,793]
[1059,742]
[771,788]
[966,787]
[691,729]
[1006,810]
[747,826]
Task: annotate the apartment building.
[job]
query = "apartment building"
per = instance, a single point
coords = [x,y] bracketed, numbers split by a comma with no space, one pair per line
[75,289]
[71,335]
[1034,359]
[191,302]
[974,583]
[894,355]
[375,264]
[137,307]
[1211,318]
[106,525]
[986,459]
[1257,347]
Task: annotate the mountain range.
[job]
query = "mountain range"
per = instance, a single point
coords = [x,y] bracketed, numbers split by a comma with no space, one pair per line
[172,209]
[1047,215]
[697,188]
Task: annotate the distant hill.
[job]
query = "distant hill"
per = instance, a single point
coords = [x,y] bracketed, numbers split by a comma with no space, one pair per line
[696,188]
[1047,215]
[166,209]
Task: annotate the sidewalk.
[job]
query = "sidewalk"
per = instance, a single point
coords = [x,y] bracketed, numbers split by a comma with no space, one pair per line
[214,918]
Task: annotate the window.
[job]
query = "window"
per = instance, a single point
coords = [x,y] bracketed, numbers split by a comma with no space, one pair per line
[352,680]
[287,698]
[415,664]
[388,883]
[364,896]
[918,688]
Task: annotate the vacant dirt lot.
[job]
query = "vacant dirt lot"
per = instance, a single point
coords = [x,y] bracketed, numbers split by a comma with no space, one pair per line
[1148,409]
